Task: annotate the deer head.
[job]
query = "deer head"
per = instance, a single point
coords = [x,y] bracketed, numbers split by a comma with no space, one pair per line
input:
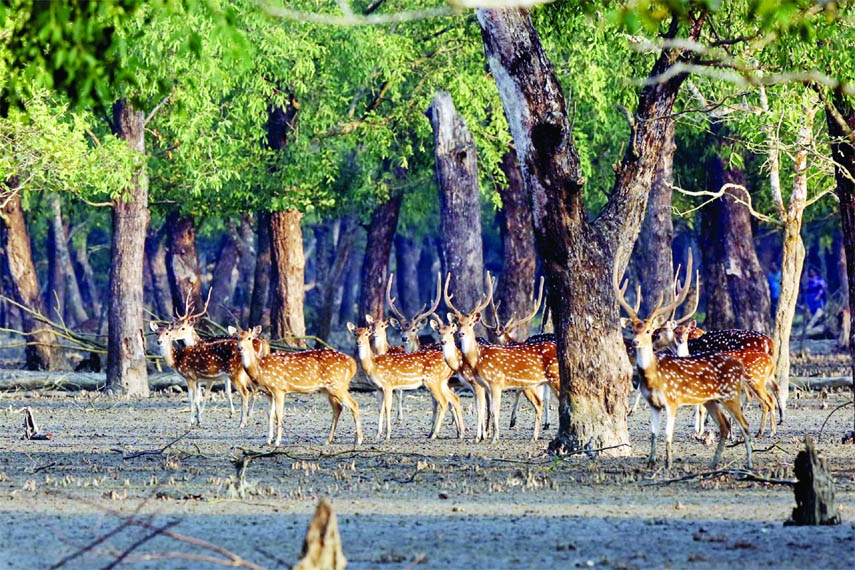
[410,327]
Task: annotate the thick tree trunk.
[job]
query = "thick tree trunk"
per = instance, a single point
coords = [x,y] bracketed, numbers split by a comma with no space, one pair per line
[519,261]
[736,286]
[41,353]
[246,269]
[653,248]
[461,251]
[287,276]
[224,280]
[578,254]
[126,364]
[841,128]
[182,263]
[155,264]
[258,313]
[74,311]
[375,265]
[407,254]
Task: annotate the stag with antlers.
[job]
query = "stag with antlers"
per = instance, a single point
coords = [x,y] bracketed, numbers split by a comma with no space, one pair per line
[668,382]
[500,368]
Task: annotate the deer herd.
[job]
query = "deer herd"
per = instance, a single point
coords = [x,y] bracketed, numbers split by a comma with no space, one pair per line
[677,364]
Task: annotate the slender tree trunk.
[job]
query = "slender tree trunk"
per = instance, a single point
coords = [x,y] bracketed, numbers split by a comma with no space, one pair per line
[350,291]
[579,254]
[126,364]
[258,315]
[288,277]
[407,254]
[55,292]
[182,263]
[653,248]
[792,259]
[155,263]
[86,277]
[841,126]
[429,264]
[519,260]
[246,269]
[334,275]
[375,265]
[224,280]
[73,301]
[461,250]
[41,353]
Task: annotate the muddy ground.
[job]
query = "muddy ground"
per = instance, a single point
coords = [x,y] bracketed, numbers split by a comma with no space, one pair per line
[68,502]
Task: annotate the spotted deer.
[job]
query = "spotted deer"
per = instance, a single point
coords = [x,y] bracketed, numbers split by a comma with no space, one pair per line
[668,382]
[407,371]
[303,372]
[510,333]
[752,348]
[500,368]
[220,360]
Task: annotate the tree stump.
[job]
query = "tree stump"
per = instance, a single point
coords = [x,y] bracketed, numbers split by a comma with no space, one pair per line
[814,490]
[322,547]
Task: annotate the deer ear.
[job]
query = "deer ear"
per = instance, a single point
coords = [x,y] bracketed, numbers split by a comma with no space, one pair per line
[395,323]
[451,318]
[256,331]
[624,322]
[693,323]
[476,318]
[232,331]
[434,325]
[153,326]
[369,319]
[351,327]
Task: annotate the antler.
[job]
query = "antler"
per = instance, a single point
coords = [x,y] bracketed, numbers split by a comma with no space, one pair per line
[689,314]
[680,294]
[478,308]
[620,291]
[391,301]
[531,315]
[425,313]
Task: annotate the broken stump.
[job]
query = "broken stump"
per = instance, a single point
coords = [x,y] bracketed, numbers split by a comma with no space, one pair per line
[814,490]
[322,546]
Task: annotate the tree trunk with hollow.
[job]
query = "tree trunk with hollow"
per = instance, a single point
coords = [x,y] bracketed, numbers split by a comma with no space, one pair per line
[288,274]
[461,251]
[126,363]
[23,280]
[579,252]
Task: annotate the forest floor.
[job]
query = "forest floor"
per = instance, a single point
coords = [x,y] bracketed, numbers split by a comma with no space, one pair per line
[117,477]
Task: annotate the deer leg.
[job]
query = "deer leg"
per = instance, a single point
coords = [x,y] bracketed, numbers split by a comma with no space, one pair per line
[440,406]
[714,410]
[655,417]
[400,406]
[348,401]
[241,383]
[534,398]
[280,412]
[229,396]
[700,421]
[387,407]
[191,395]
[495,404]
[670,417]
[545,399]
[380,419]
[637,400]
[271,418]
[513,421]
[480,410]
[336,412]
[736,412]
[456,409]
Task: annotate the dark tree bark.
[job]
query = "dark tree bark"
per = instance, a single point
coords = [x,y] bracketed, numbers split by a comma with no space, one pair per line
[258,315]
[224,280]
[246,269]
[653,248]
[126,364]
[519,260]
[841,127]
[736,286]
[407,254]
[287,277]
[461,251]
[579,253]
[23,281]
[375,265]
[182,263]
[429,264]
[155,265]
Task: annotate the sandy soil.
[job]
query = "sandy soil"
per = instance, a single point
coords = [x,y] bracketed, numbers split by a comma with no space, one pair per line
[400,504]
